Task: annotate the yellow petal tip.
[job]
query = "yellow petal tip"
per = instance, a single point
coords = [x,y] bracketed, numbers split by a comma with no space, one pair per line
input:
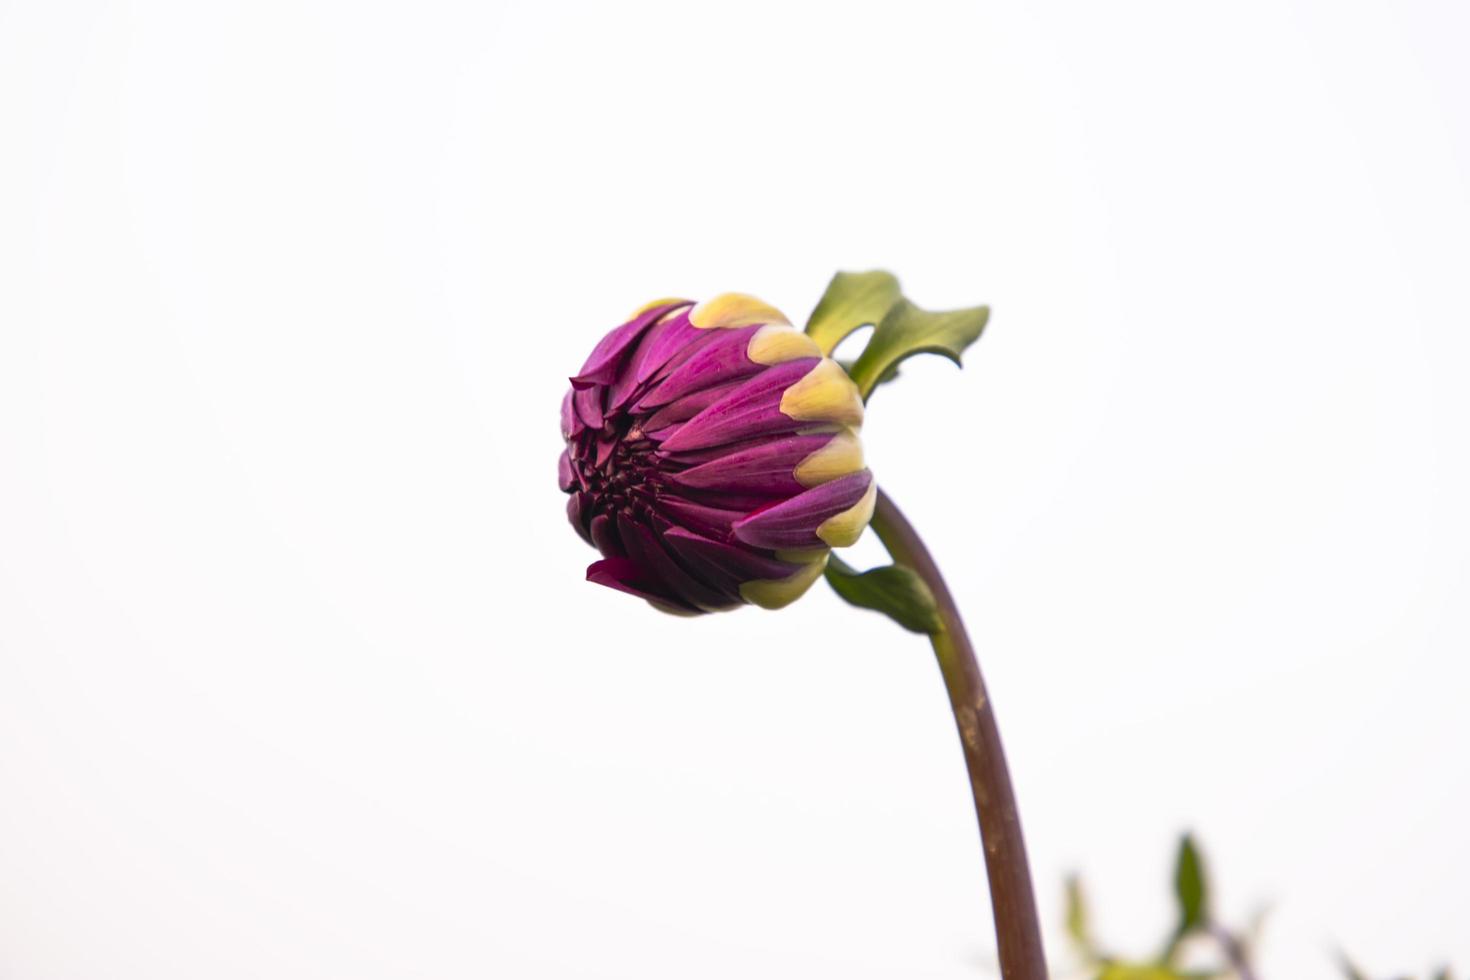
[842,530]
[730,310]
[658,302]
[842,456]
[777,343]
[774,593]
[824,394]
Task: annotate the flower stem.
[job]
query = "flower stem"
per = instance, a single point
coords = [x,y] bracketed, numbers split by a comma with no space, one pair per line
[1017,931]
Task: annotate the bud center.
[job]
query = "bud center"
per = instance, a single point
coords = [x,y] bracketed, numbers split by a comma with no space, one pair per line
[620,468]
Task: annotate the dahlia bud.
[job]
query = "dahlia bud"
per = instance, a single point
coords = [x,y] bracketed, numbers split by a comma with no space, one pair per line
[713,456]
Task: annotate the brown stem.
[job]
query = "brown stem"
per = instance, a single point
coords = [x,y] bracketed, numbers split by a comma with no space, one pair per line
[1017,930]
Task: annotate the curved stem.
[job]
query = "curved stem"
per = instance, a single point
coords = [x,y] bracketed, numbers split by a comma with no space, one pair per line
[1017,930]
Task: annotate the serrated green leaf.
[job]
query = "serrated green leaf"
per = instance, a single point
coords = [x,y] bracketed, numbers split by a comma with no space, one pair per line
[893,590]
[907,330]
[1190,889]
[852,300]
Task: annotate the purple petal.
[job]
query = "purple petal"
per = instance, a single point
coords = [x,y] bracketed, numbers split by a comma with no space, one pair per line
[686,408]
[678,341]
[570,425]
[645,549]
[712,521]
[765,466]
[628,576]
[606,445]
[566,477]
[726,563]
[753,408]
[588,405]
[722,359]
[579,505]
[744,503]
[602,364]
[605,537]
[793,523]
[658,344]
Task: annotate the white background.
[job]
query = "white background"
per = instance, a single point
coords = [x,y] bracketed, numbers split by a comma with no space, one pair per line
[298,673]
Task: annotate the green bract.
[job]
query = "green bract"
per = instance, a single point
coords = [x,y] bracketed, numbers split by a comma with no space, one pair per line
[854,300]
[900,329]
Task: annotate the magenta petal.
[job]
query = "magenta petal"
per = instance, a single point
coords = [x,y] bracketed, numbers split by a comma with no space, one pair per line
[648,549]
[571,426]
[676,343]
[606,446]
[742,502]
[753,408]
[604,531]
[793,523]
[601,366]
[712,521]
[578,510]
[566,477]
[628,576]
[720,360]
[651,354]
[588,405]
[687,407]
[762,466]
[724,562]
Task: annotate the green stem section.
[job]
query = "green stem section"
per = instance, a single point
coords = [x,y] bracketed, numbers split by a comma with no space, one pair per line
[1017,931]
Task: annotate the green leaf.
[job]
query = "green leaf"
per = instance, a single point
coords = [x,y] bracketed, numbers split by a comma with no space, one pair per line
[888,375]
[1078,925]
[852,300]
[907,330]
[1189,887]
[893,590]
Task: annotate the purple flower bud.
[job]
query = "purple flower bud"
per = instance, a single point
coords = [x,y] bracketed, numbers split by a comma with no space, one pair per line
[713,456]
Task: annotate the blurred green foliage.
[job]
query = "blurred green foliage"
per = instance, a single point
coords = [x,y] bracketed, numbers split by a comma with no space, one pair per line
[1351,971]
[1195,938]
[1194,925]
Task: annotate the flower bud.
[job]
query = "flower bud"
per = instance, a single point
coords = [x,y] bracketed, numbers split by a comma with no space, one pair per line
[713,456]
